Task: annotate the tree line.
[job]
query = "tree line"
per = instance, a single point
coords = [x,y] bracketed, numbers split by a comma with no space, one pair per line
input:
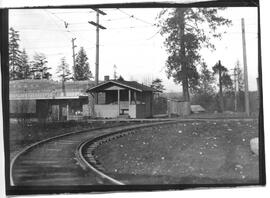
[21,67]
[186,32]
[212,82]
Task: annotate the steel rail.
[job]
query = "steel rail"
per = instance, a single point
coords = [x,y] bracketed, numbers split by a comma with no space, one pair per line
[78,152]
[32,146]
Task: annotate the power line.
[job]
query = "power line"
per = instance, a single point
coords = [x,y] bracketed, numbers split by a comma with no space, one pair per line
[130,27]
[241,33]
[134,17]
[39,29]
[48,47]
[153,35]
[55,16]
[73,12]
[55,22]
[54,54]
[117,19]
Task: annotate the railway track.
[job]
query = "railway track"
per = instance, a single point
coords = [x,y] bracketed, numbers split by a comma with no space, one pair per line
[68,160]
[55,161]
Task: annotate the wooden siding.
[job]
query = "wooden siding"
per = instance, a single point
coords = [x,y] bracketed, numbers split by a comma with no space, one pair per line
[178,108]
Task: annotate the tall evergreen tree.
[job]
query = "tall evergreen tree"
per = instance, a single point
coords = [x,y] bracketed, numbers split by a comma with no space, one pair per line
[64,73]
[121,78]
[157,84]
[186,33]
[25,66]
[206,81]
[204,93]
[82,69]
[239,76]
[239,86]
[14,55]
[224,81]
[63,70]
[39,69]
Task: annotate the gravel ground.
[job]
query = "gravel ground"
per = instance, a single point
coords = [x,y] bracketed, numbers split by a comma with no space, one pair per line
[184,153]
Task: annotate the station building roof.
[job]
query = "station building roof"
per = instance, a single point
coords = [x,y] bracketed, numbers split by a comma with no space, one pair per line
[31,89]
[133,85]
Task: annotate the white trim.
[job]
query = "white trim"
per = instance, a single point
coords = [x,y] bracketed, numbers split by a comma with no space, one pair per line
[51,98]
[118,83]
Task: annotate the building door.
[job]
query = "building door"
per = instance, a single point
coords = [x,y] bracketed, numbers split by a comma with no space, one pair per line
[55,113]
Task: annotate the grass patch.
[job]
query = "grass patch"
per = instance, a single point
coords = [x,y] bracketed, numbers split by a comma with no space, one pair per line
[184,153]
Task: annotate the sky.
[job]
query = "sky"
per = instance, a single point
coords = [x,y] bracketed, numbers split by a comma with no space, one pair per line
[133,44]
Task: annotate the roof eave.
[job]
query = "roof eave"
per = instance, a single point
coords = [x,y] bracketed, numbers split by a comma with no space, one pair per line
[118,83]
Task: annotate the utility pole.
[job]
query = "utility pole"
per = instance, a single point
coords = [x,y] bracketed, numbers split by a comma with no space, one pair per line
[114,72]
[98,26]
[73,54]
[235,74]
[245,68]
[221,103]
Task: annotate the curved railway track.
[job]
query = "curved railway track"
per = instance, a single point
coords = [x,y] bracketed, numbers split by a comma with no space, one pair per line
[54,161]
[67,159]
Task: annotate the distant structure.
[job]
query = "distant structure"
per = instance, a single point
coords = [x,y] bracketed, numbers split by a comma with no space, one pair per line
[44,100]
[126,99]
[197,109]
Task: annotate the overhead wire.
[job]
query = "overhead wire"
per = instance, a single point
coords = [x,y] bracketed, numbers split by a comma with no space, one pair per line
[73,12]
[153,35]
[69,31]
[48,12]
[134,17]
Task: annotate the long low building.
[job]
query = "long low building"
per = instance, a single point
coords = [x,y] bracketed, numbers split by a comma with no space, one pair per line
[47,100]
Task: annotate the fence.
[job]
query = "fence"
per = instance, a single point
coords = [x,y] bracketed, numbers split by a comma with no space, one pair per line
[179,108]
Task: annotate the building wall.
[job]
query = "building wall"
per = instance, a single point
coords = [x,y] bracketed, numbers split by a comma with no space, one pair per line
[110,109]
[51,110]
[159,105]
[148,99]
[141,111]
[22,106]
[107,111]
[132,111]
[178,108]
[43,109]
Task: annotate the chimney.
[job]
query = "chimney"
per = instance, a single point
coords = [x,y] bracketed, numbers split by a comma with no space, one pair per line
[106,78]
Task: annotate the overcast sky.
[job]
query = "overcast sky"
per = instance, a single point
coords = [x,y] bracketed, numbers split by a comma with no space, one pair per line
[133,44]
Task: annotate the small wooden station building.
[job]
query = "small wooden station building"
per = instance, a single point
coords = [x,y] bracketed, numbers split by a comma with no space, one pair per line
[122,99]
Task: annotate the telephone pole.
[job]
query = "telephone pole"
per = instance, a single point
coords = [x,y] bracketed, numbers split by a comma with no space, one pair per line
[98,26]
[73,54]
[221,102]
[235,74]
[245,68]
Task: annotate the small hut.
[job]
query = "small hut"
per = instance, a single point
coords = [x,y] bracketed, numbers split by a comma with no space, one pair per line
[122,98]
